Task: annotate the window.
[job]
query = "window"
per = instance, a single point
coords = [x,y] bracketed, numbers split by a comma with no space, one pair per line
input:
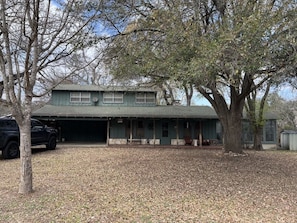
[8,124]
[247,131]
[113,97]
[269,131]
[145,98]
[36,125]
[80,97]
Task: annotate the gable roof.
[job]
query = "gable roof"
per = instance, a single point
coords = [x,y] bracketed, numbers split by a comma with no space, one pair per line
[52,111]
[75,87]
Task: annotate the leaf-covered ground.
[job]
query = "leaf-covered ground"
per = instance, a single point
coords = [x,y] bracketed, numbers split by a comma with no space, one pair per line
[152,185]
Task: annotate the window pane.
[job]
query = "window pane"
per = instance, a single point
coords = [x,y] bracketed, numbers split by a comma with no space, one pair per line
[247,132]
[107,98]
[145,98]
[8,124]
[118,100]
[150,98]
[74,97]
[75,94]
[83,97]
[118,97]
[269,131]
[112,97]
[140,98]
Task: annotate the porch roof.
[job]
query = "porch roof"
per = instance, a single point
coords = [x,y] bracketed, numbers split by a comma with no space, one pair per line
[126,112]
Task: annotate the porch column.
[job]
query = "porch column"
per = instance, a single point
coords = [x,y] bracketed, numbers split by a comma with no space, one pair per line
[177,133]
[154,133]
[200,134]
[107,133]
[131,131]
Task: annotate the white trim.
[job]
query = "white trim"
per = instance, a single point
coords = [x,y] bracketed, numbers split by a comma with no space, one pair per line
[80,97]
[145,98]
[113,97]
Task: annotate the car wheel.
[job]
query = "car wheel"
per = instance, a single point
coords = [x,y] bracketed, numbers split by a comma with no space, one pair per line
[11,151]
[52,142]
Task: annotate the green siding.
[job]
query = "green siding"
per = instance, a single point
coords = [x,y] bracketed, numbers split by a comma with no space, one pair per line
[121,130]
[149,126]
[62,98]
[117,130]
[208,129]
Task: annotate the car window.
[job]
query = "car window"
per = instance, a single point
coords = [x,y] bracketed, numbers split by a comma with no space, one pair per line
[8,124]
[36,124]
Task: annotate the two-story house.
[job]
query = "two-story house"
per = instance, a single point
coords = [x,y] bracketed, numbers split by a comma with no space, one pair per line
[123,115]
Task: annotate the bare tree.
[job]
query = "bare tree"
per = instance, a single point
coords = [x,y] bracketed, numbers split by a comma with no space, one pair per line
[37,36]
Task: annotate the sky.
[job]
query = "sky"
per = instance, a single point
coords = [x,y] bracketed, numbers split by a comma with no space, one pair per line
[286,92]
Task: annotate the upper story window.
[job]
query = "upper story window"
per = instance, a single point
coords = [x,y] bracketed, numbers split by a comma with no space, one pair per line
[113,97]
[80,97]
[145,97]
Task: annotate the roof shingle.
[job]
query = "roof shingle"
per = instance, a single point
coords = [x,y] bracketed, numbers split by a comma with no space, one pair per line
[117,111]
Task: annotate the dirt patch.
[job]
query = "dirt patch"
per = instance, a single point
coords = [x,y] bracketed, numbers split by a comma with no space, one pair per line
[152,185]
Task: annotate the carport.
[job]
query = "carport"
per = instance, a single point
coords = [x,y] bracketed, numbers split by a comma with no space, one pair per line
[80,130]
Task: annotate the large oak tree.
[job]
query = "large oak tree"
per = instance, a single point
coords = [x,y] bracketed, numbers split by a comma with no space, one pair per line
[226,48]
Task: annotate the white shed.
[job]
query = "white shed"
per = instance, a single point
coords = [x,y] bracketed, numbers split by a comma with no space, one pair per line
[288,139]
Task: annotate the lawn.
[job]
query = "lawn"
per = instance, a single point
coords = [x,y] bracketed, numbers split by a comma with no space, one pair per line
[152,185]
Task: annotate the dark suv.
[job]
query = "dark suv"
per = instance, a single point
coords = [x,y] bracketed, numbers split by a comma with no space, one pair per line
[10,136]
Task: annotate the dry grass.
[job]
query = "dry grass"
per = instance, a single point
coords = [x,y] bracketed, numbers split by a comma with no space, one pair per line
[152,185]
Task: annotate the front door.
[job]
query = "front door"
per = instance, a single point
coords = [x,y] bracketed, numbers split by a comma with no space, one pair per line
[165,139]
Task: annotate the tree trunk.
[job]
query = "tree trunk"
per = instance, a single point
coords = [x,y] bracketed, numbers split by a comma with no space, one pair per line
[26,178]
[189,93]
[258,138]
[232,132]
